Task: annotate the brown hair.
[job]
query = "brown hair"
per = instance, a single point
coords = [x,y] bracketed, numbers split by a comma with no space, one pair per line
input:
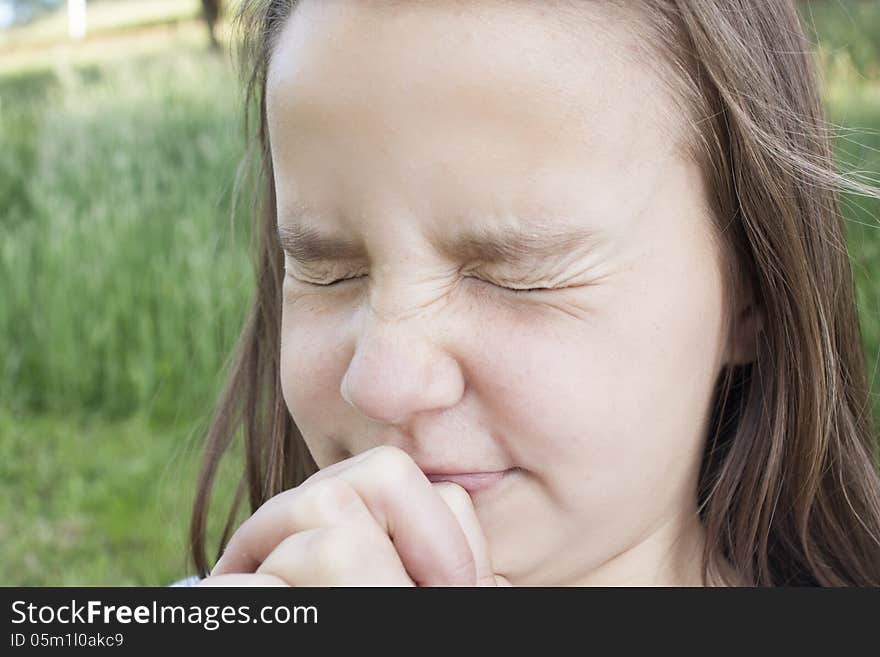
[789,492]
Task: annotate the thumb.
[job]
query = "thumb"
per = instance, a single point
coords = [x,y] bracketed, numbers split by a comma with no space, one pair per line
[461,505]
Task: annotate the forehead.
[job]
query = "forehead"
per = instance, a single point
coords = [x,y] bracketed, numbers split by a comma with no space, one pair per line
[428,100]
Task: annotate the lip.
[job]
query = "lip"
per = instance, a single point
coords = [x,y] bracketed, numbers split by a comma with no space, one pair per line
[472,482]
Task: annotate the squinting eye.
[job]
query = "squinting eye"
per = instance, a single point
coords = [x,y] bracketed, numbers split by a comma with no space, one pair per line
[525,290]
[529,290]
[330,284]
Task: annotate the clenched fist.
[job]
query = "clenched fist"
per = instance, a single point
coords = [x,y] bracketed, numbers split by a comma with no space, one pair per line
[371,520]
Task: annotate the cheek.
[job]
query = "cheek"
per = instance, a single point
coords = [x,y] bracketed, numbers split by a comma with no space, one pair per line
[614,404]
[311,367]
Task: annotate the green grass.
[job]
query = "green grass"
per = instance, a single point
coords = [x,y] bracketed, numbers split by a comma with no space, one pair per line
[97,502]
[124,281]
[859,150]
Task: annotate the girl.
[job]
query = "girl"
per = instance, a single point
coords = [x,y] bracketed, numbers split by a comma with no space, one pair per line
[549,293]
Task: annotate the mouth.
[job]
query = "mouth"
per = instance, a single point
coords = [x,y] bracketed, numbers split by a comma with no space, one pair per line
[472,482]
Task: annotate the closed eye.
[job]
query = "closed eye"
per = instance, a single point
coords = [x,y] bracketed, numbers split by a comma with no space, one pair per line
[515,290]
[330,284]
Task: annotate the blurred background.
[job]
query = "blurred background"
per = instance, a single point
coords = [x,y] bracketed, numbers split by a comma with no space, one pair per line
[124,274]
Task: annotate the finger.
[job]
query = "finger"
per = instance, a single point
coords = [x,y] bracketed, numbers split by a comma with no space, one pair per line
[238,579]
[396,494]
[459,502]
[426,534]
[318,504]
[336,556]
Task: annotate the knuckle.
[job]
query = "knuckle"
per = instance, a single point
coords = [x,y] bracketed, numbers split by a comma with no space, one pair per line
[326,498]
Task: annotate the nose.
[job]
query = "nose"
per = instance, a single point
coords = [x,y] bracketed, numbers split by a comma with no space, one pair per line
[397,372]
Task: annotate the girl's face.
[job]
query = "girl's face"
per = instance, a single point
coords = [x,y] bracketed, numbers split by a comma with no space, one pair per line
[436,153]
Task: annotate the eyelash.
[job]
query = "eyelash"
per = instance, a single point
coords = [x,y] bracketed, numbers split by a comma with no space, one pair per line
[530,290]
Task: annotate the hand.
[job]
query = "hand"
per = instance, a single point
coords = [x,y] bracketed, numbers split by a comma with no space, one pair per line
[371,520]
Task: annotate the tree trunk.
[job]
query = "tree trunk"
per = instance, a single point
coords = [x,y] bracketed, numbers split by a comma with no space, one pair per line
[211,10]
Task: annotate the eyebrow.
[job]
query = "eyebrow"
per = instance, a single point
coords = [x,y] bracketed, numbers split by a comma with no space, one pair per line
[307,245]
[492,245]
